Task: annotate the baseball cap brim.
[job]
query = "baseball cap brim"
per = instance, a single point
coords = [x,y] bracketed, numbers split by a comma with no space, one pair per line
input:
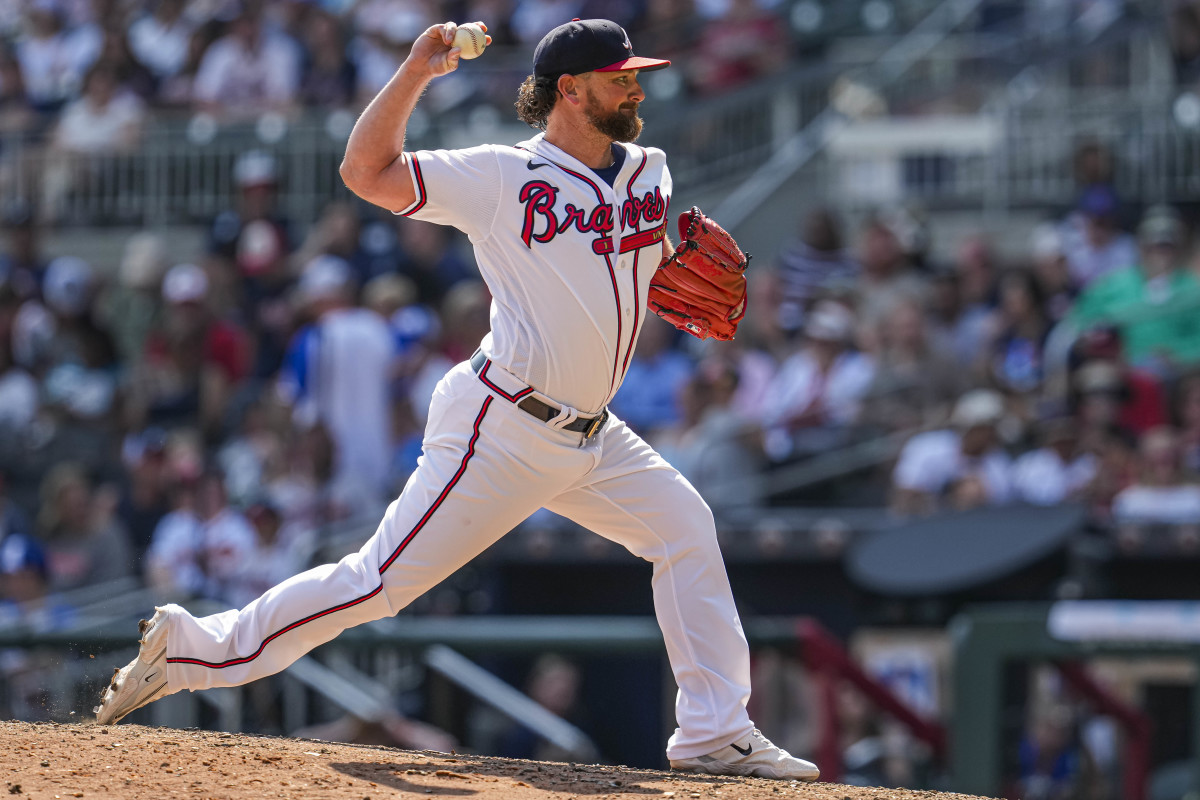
[636,62]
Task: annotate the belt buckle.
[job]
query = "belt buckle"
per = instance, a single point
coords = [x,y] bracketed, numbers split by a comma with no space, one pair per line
[595,424]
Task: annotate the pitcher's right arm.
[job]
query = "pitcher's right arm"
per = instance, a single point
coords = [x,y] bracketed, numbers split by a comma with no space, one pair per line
[375,167]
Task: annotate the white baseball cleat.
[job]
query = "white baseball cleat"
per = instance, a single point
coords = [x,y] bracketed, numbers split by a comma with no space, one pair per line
[142,680]
[758,757]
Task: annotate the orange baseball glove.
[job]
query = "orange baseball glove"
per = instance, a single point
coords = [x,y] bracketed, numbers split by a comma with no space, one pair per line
[701,289]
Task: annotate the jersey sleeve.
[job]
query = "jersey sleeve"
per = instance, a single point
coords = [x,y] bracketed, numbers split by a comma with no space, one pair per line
[456,187]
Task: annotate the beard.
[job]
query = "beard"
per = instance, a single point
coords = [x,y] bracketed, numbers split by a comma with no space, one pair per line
[617,125]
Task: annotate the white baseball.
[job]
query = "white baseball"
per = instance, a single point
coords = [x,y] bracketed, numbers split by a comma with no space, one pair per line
[471,38]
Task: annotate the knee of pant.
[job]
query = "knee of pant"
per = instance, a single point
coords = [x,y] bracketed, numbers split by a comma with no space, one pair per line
[688,532]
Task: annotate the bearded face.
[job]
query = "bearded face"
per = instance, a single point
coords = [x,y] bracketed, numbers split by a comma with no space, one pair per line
[621,125]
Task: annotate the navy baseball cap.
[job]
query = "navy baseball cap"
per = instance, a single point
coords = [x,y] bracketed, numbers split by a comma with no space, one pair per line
[588,45]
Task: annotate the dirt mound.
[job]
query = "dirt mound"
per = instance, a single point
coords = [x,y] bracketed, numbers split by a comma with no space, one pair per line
[131,762]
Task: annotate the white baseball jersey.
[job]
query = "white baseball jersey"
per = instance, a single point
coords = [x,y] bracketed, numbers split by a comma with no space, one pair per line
[561,308]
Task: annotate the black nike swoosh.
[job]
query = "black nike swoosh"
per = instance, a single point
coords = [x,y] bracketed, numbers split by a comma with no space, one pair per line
[151,676]
[749,749]
[534,166]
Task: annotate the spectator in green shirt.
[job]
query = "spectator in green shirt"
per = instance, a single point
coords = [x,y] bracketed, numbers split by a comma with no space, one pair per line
[1156,304]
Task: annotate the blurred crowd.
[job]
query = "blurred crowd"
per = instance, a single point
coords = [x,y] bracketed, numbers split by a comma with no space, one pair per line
[1066,373]
[88,70]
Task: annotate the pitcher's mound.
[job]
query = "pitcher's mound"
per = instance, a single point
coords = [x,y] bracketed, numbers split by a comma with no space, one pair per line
[131,762]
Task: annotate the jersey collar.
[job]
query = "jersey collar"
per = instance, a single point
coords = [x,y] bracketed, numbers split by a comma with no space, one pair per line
[540,147]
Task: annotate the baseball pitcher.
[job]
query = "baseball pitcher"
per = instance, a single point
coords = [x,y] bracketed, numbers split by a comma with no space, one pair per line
[570,232]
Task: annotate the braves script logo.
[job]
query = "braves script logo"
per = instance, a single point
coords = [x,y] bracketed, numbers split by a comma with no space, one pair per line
[542,223]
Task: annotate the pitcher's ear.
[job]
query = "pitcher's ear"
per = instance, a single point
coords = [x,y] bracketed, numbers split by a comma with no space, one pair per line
[568,87]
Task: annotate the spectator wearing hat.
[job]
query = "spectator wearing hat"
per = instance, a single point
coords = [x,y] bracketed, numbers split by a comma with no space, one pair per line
[251,243]
[818,390]
[337,373]
[1105,400]
[32,678]
[193,361]
[959,467]
[1155,303]
[1094,243]
[25,585]
[252,237]
[1106,393]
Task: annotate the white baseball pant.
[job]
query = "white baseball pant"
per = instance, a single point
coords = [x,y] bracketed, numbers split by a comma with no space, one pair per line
[486,466]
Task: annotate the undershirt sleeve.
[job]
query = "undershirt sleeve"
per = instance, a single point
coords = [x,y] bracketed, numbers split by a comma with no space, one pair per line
[456,187]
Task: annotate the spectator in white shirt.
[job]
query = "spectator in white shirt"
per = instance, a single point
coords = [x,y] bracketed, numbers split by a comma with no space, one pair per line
[200,548]
[1162,492]
[282,549]
[106,119]
[337,373]
[53,59]
[962,467]
[1059,471]
[160,40]
[248,71]
[819,388]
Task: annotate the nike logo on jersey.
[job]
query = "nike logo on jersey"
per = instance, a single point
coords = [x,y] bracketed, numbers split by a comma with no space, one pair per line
[749,748]
[532,166]
[543,221]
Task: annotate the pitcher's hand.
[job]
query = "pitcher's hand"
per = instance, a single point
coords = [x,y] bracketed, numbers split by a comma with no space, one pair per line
[433,51]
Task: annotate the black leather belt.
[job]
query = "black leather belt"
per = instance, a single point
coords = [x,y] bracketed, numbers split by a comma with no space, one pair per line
[536,408]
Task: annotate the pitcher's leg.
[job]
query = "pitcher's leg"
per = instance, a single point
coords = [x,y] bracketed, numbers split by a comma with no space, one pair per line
[657,515]
[469,490]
